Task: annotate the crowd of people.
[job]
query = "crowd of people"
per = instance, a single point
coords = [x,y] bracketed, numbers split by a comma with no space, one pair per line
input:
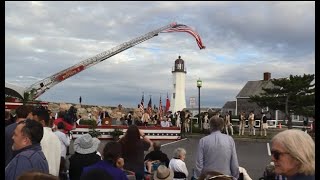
[37,145]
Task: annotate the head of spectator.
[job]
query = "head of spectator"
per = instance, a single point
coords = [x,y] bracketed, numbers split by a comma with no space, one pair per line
[36,175]
[61,114]
[163,173]
[41,115]
[179,153]
[132,134]
[60,126]
[293,153]
[214,175]
[156,146]
[216,123]
[85,144]
[269,171]
[23,111]
[112,152]
[96,174]
[27,133]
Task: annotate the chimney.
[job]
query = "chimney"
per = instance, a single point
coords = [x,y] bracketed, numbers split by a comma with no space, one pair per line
[266,76]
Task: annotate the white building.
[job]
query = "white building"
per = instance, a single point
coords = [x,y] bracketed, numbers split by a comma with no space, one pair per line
[178,97]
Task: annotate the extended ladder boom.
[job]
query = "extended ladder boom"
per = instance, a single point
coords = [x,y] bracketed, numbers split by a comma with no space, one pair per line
[38,88]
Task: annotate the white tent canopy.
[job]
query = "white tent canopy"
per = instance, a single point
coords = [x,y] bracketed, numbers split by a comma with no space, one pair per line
[18,89]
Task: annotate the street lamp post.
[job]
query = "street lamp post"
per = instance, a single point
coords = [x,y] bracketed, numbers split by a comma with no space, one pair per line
[199,84]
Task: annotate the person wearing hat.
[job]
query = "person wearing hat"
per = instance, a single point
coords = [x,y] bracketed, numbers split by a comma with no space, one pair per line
[85,148]
[163,173]
[111,157]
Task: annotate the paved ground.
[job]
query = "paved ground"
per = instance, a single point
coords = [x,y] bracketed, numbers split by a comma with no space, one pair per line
[252,153]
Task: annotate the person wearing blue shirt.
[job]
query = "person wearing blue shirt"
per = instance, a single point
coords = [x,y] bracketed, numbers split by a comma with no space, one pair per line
[111,152]
[217,152]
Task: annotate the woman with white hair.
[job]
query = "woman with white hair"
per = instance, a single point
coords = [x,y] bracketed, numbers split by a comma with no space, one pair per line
[293,154]
[178,165]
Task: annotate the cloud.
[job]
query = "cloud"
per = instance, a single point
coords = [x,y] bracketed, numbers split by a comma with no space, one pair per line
[243,40]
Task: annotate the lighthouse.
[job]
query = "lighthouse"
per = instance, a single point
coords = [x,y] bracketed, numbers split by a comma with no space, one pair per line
[178,97]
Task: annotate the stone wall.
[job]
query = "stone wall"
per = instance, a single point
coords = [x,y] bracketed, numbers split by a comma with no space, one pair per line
[85,110]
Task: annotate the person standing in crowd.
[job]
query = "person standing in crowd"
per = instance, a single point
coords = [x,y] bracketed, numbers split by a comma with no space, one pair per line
[22,113]
[293,154]
[305,124]
[50,142]
[65,142]
[156,157]
[145,117]
[205,122]
[111,153]
[228,124]
[182,121]
[178,119]
[187,123]
[177,164]
[26,145]
[264,124]
[252,130]
[134,143]
[217,152]
[85,148]
[7,119]
[242,123]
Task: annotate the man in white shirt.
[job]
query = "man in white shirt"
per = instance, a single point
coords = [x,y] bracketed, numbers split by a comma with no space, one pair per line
[50,142]
[164,123]
[65,142]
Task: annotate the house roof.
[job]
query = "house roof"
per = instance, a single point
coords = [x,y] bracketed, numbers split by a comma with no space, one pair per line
[253,88]
[229,105]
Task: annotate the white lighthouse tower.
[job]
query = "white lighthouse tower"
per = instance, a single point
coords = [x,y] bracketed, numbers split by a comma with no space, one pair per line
[178,97]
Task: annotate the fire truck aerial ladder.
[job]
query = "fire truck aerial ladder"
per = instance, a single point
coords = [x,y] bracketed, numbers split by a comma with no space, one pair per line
[38,88]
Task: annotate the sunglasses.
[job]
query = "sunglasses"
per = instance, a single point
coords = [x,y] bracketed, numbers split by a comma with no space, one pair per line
[277,154]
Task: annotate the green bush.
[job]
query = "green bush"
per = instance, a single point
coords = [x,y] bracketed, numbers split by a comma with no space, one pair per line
[89,122]
[116,132]
[94,133]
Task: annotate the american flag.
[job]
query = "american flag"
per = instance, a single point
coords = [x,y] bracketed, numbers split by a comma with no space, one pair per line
[150,106]
[141,104]
[185,28]
[160,108]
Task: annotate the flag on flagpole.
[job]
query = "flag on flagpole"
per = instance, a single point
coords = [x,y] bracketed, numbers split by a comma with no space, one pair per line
[141,104]
[160,108]
[187,29]
[150,106]
[167,104]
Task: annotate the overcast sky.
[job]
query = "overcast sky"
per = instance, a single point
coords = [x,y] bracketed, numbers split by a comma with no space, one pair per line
[242,39]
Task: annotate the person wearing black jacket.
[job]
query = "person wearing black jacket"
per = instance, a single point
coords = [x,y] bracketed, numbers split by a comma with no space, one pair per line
[264,124]
[182,120]
[156,157]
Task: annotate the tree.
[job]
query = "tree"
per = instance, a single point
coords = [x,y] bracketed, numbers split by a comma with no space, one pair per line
[290,95]
[28,96]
